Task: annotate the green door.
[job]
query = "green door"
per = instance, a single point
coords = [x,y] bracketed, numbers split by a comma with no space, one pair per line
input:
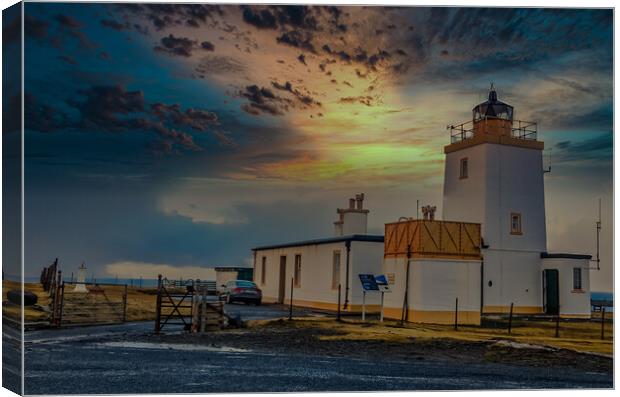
[552,291]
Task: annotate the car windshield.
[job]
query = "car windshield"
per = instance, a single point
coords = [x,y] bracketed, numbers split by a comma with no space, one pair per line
[247,284]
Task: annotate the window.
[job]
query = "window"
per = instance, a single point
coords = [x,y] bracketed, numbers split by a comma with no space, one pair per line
[263,270]
[515,223]
[464,169]
[577,278]
[336,270]
[297,274]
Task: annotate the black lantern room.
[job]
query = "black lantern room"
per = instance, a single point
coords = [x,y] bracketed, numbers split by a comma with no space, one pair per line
[493,109]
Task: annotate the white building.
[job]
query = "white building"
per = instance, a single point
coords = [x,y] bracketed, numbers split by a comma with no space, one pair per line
[494,177]
[315,268]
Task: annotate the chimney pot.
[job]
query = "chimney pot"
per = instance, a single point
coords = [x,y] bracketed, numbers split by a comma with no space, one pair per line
[351,203]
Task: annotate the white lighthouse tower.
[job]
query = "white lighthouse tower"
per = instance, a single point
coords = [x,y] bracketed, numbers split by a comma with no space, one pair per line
[494,176]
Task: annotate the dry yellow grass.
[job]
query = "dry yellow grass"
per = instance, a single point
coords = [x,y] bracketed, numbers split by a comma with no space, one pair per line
[583,336]
[140,302]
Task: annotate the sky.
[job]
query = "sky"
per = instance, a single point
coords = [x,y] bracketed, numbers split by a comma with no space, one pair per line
[184,135]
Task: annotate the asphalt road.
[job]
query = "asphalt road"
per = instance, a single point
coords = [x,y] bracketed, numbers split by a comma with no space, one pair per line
[100,360]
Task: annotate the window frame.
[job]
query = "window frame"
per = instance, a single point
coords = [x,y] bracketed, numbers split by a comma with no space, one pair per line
[336,280]
[519,230]
[263,270]
[464,168]
[579,287]
[297,271]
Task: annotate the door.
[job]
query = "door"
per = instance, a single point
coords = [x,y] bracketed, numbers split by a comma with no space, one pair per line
[282,285]
[552,291]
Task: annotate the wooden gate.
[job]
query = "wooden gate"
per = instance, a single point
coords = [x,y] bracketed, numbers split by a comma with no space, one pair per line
[104,303]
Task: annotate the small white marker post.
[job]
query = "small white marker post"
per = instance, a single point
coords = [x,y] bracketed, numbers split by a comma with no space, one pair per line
[364,305]
[381,319]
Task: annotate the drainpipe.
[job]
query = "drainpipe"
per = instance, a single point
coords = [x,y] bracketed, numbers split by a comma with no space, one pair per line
[405,313]
[346,289]
[481,284]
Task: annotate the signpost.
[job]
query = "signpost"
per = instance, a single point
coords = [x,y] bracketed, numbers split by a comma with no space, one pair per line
[373,283]
[382,283]
[368,284]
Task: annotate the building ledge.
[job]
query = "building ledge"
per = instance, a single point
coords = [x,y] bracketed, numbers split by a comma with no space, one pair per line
[547,255]
[328,240]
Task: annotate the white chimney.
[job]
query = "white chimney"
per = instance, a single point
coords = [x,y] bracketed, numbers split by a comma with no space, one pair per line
[352,220]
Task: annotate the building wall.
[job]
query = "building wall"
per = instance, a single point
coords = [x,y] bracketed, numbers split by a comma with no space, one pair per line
[367,258]
[434,285]
[502,180]
[515,277]
[316,288]
[355,223]
[222,277]
[572,303]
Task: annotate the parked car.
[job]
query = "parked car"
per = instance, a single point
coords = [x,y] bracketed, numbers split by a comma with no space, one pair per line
[242,291]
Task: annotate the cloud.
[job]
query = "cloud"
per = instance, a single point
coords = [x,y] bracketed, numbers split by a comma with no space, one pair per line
[263,100]
[135,270]
[179,46]
[164,16]
[596,148]
[115,109]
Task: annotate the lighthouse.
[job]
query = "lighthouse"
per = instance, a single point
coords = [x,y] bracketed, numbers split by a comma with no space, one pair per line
[494,176]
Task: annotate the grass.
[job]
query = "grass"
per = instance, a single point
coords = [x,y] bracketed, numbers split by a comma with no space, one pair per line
[140,302]
[582,336]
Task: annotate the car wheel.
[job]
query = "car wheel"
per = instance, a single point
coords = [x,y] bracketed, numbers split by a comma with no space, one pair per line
[257,303]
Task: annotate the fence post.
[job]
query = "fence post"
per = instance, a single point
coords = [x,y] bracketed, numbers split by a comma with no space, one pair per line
[125,304]
[557,325]
[456,315]
[338,312]
[62,302]
[57,300]
[290,310]
[158,305]
[510,318]
[602,322]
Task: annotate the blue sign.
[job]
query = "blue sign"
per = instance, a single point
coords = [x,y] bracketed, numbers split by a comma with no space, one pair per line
[368,282]
[382,283]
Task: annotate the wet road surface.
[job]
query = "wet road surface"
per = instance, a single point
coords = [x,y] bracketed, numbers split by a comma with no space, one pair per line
[100,360]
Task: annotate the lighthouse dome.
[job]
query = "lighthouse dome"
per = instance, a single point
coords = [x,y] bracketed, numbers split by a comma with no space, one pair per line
[493,108]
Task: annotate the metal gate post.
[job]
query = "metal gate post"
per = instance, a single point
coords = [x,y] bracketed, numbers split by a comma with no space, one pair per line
[125,304]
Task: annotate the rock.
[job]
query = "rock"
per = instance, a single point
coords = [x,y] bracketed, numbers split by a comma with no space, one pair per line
[15,296]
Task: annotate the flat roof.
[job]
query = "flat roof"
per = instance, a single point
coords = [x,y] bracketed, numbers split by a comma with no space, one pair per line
[564,255]
[328,240]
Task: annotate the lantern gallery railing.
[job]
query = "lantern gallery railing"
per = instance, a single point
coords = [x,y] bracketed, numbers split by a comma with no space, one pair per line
[527,130]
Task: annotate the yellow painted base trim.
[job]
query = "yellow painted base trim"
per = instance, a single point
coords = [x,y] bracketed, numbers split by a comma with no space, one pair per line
[576,315]
[332,306]
[515,310]
[434,316]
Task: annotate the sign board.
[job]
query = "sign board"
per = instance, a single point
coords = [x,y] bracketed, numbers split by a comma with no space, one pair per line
[368,282]
[382,283]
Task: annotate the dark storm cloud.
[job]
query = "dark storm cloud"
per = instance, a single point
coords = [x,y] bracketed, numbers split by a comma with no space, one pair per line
[297,38]
[363,99]
[163,16]
[262,19]
[35,28]
[263,100]
[39,116]
[596,148]
[207,45]
[115,25]
[115,109]
[181,46]
[304,99]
